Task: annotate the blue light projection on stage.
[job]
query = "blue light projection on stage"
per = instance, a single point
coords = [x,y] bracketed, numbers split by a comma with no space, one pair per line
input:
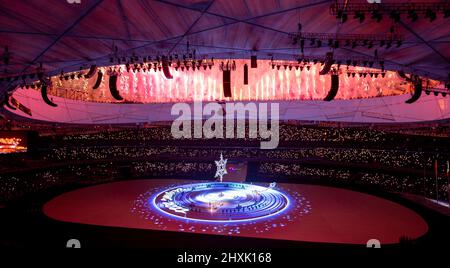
[221,202]
[221,207]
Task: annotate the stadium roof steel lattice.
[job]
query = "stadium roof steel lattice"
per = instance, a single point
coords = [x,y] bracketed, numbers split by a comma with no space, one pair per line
[64,36]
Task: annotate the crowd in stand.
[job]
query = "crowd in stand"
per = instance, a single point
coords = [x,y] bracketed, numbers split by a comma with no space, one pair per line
[92,158]
[419,185]
[383,158]
[14,186]
[171,168]
[287,133]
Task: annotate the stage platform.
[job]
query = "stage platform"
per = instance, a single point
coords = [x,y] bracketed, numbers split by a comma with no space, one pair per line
[310,213]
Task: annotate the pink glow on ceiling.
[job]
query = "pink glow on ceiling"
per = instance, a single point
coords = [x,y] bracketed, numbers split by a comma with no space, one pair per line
[265,83]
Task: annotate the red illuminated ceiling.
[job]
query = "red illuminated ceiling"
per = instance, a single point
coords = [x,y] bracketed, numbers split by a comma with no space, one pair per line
[265,83]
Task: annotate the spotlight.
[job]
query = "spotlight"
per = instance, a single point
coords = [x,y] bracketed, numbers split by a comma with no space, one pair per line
[430,14]
[354,63]
[436,93]
[376,15]
[349,74]
[353,74]
[360,15]
[412,15]
[392,29]
[319,43]
[376,75]
[388,45]
[278,67]
[395,16]
[444,94]
[342,16]
[313,42]
[336,44]
[383,75]
[399,43]
[427,92]
[308,67]
[354,44]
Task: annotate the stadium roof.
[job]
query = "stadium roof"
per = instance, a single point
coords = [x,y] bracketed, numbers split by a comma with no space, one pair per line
[66,35]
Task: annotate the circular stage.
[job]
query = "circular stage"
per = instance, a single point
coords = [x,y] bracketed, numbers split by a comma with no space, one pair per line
[286,211]
[220,202]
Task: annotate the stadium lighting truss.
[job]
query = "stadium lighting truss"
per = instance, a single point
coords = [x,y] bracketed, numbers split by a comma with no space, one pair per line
[348,40]
[394,10]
